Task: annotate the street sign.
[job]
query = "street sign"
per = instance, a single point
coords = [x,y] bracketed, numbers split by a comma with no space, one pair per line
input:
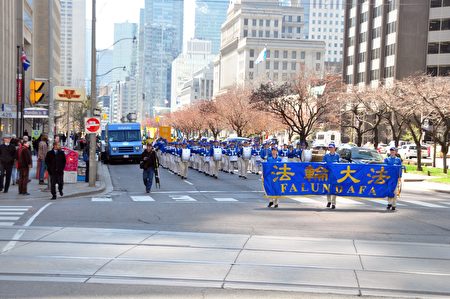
[69,94]
[97,112]
[35,95]
[92,125]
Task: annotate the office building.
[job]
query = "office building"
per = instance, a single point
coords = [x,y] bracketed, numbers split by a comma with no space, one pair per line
[326,23]
[163,39]
[199,87]
[125,50]
[386,40]
[438,55]
[209,17]
[73,38]
[197,56]
[252,26]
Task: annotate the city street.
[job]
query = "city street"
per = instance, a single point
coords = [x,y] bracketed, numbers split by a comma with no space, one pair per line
[218,233]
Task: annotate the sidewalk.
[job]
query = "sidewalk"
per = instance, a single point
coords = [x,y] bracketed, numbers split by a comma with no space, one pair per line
[224,261]
[70,190]
[419,182]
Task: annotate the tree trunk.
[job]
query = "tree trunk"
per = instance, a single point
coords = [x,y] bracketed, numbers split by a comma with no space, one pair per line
[419,155]
[444,153]
[359,137]
[375,137]
[434,152]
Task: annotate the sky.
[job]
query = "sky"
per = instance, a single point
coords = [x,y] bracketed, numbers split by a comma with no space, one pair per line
[110,12]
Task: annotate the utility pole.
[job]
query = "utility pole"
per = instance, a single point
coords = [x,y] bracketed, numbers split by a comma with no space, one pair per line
[51,100]
[92,137]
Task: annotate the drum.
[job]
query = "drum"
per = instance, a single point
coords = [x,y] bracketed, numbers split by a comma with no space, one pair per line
[284,159]
[207,159]
[306,155]
[217,154]
[233,158]
[246,153]
[185,154]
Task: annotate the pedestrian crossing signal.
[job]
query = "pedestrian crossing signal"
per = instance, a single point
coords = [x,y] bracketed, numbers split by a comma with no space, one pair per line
[35,95]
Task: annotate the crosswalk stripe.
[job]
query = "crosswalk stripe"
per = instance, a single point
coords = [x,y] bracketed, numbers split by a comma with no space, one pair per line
[12,210]
[142,198]
[224,199]
[347,201]
[11,213]
[6,223]
[182,198]
[101,199]
[9,218]
[20,207]
[383,202]
[424,204]
[305,200]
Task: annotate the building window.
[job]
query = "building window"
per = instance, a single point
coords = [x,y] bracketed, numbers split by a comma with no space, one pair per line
[361,77]
[349,79]
[378,11]
[433,48]
[302,55]
[363,17]
[268,54]
[245,33]
[267,65]
[392,4]
[252,53]
[435,25]
[374,74]
[253,33]
[351,22]
[299,19]
[350,60]
[436,3]
[250,75]
[318,67]
[277,54]
[362,57]
[254,22]
[267,23]
[250,64]
[390,50]
[275,23]
[290,18]
[275,76]
[245,22]
[293,66]
[299,29]
[260,33]
[391,27]
[444,47]
[285,54]
[432,70]
[389,72]
[318,55]
[261,23]
[376,32]
[294,55]
[351,41]
[276,65]
[284,65]
[445,24]
[375,53]
[444,70]
[275,34]
[284,77]
[363,37]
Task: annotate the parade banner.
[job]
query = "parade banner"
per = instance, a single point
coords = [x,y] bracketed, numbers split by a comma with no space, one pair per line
[342,179]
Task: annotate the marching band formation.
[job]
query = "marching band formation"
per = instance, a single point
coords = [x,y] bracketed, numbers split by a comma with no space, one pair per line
[210,157]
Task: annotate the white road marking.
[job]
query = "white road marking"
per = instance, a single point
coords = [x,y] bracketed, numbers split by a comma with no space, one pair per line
[425,204]
[305,200]
[16,207]
[142,198]
[101,199]
[347,201]
[6,223]
[187,182]
[383,202]
[224,199]
[199,191]
[11,213]
[183,198]
[9,218]
[13,210]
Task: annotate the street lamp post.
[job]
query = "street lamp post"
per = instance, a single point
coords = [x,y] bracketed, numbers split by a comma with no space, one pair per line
[92,137]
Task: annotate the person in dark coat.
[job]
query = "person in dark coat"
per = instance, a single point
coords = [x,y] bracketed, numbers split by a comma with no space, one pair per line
[149,163]
[7,156]
[56,161]
[24,164]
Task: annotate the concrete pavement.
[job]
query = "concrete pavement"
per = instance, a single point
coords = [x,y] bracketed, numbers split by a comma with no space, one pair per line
[224,261]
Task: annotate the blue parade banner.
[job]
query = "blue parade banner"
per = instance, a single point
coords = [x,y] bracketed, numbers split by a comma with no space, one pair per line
[343,179]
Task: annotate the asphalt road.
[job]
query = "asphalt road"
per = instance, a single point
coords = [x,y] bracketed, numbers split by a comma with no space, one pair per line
[233,205]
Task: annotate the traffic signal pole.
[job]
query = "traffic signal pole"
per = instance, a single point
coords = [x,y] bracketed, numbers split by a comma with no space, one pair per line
[92,137]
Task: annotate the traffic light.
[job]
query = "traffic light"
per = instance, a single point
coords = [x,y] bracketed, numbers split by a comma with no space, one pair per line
[35,95]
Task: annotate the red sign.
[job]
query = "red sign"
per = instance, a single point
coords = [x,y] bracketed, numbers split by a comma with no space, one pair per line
[92,125]
[19,89]
[69,94]
[71,159]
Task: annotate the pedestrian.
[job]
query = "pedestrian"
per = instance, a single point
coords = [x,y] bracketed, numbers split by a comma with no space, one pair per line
[16,142]
[56,162]
[393,159]
[274,158]
[42,152]
[24,164]
[331,157]
[149,163]
[7,156]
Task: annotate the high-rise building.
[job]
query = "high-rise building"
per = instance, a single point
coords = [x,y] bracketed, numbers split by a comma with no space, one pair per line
[140,68]
[198,87]
[209,17]
[73,37]
[104,65]
[386,40]
[163,39]
[16,29]
[124,53]
[438,55]
[252,26]
[197,56]
[326,23]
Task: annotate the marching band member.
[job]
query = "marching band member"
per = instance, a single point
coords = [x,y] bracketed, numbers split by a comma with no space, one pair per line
[232,154]
[298,152]
[245,153]
[256,159]
[291,153]
[283,153]
[206,158]
[393,160]
[216,154]
[185,155]
[306,153]
[274,158]
[331,157]
[265,152]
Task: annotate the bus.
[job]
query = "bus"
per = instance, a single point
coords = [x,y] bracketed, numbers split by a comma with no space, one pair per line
[123,142]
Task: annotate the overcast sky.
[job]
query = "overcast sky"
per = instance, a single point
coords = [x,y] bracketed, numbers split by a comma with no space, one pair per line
[110,12]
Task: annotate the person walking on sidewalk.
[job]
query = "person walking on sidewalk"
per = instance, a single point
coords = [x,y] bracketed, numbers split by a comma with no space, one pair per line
[7,156]
[56,161]
[149,162]
[24,164]
[42,151]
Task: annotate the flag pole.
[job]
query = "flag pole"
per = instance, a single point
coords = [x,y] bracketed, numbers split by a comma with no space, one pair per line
[22,108]
[18,89]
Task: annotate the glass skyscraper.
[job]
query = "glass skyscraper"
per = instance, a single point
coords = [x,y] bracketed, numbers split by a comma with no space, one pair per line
[163,40]
[209,17]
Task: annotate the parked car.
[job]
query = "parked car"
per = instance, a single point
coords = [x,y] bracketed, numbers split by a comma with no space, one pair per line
[382,148]
[409,151]
[360,155]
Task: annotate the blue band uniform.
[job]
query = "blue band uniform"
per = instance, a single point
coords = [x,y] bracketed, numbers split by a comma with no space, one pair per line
[342,179]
